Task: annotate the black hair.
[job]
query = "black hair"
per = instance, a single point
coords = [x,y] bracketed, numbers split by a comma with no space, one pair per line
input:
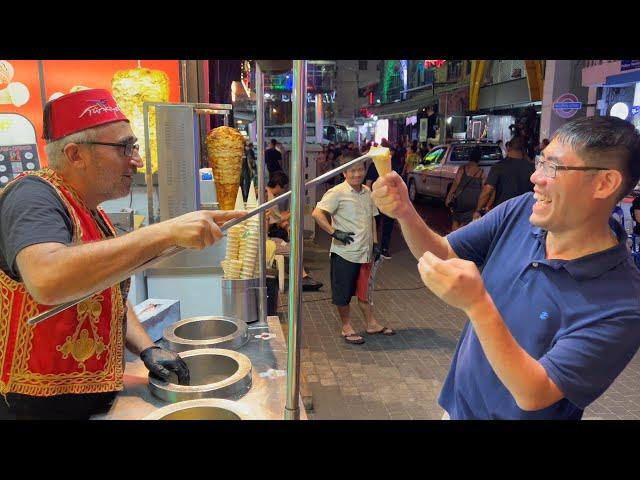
[475,155]
[347,157]
[274,141]
[518,143]
[605,141]
[278,178]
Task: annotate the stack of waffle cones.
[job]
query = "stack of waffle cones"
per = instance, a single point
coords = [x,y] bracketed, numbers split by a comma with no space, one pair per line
[248,253]
[233,242]
[241,260]
[225,147]
[232,269]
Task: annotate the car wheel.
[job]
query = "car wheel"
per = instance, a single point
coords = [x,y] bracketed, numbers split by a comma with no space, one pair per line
[413,192]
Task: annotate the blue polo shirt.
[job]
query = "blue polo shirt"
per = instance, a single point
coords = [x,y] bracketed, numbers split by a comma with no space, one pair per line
[579,318]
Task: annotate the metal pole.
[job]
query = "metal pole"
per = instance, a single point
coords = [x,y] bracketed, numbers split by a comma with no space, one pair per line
[170,252]
[299,104]
[262,294]
[446,101]
[148,166]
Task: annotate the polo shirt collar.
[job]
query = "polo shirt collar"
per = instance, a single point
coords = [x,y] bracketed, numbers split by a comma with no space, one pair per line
[349,188]
[592,265]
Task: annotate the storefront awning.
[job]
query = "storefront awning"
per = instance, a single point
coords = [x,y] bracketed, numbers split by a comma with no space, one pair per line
[401,109]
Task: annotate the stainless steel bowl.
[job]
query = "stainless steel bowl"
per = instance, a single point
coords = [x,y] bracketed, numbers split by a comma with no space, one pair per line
[214,372]
[206,332]
[203,409]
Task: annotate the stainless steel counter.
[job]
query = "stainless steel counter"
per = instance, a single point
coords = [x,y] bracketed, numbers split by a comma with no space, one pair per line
[266,399]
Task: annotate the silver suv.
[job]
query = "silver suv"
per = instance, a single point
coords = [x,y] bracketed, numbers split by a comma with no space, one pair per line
[434,176]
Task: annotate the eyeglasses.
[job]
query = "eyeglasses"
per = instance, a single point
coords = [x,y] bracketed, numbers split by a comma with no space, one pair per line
[129,148]
[549,169]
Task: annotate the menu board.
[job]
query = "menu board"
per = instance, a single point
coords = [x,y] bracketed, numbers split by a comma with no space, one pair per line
[25,85]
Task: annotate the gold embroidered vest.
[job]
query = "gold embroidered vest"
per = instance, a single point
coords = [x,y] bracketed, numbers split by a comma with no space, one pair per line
[79,350]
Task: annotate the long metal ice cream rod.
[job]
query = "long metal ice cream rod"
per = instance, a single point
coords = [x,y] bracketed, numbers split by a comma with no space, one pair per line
[170,252]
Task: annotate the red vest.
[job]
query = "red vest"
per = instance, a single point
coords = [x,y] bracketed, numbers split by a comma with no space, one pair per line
[79,350]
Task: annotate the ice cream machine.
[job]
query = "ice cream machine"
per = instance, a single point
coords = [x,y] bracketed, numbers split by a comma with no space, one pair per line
[180,140]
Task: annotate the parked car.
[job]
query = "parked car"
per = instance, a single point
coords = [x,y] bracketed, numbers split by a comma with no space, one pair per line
[434,176]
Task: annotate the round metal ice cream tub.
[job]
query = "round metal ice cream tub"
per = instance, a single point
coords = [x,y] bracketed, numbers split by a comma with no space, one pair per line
[214,372]
[206,332]
[203,409]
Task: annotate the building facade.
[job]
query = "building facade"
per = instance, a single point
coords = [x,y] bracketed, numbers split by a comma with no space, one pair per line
[613,88]
[355,81]
[420,100]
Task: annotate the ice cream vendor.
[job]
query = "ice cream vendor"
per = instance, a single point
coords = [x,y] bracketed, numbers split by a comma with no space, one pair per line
[57,245]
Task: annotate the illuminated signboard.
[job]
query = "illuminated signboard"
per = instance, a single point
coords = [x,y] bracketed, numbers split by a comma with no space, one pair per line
[433,63]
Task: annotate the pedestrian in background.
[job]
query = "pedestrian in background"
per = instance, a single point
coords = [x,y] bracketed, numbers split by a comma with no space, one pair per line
[346,213]
[465,191]
[273,158]
[508,178]
[411,162]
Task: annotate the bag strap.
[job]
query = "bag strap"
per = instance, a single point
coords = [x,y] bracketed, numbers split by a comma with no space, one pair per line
[469,178]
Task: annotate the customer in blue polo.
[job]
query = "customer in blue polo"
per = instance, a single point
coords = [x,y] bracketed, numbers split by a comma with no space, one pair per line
[554,313]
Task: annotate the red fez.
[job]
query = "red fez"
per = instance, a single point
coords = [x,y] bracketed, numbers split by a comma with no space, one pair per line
[78,111]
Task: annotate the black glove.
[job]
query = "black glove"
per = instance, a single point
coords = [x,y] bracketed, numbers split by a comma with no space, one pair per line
[376,252]
[161,363]
[344,237]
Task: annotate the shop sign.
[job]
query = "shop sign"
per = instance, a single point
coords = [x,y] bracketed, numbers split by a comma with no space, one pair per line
[629,65]
[311,97]
[567,105]
[433,63]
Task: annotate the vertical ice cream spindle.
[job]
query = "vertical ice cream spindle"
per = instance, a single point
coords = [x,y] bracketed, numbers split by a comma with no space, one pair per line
[225,147]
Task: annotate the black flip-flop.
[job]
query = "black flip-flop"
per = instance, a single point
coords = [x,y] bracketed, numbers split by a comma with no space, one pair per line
[353,341]
[383,331]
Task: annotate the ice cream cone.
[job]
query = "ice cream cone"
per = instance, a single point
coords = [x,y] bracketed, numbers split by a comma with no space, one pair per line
[239,205]
[381,158]
[252,200]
